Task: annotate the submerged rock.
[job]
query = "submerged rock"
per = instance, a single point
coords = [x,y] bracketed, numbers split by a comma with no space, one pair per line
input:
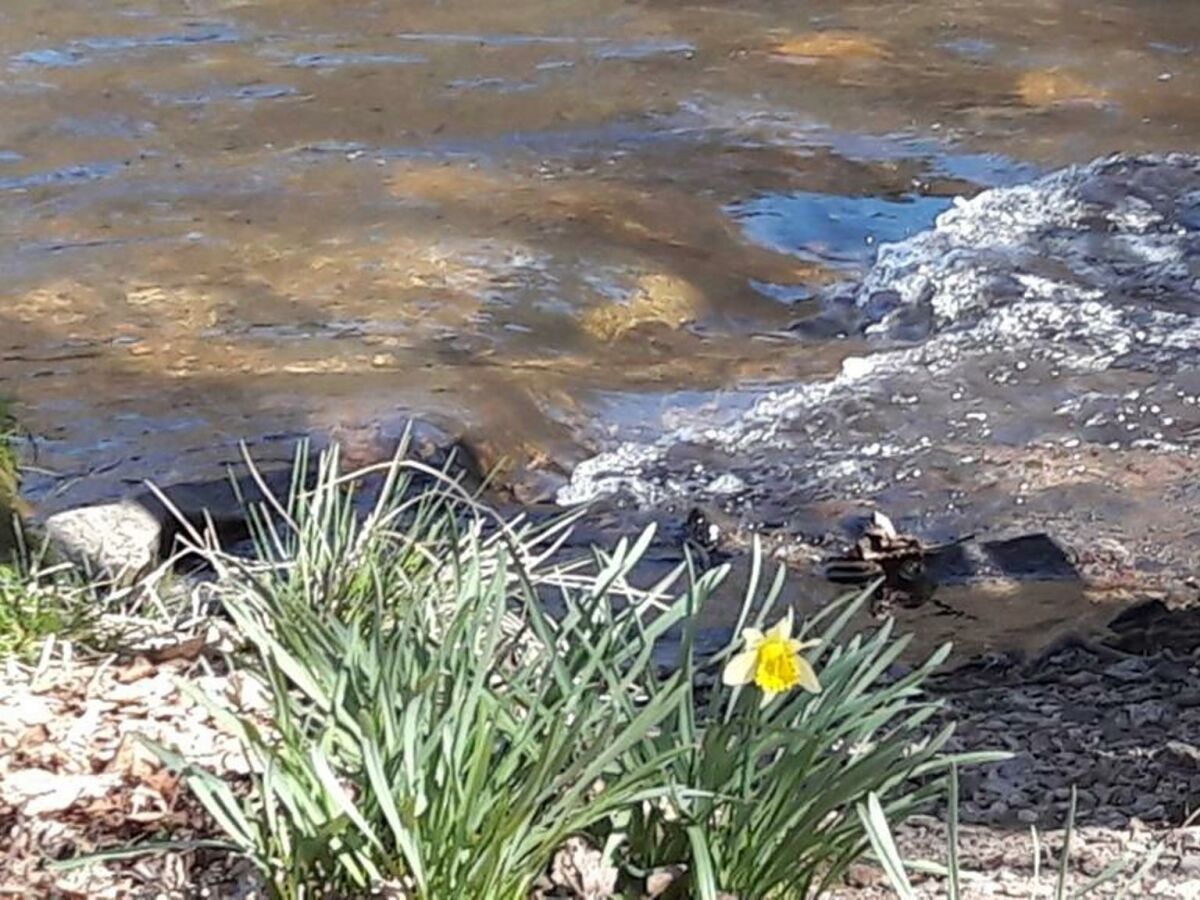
[1033,365]
[658,299]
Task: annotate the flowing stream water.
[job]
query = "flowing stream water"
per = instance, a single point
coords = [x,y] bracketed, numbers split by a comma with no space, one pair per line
[632,248]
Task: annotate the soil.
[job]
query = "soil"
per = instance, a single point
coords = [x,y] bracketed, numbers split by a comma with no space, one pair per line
[1118,719]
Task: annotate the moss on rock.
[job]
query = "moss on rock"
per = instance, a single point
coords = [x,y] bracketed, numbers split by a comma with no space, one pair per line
[9,485]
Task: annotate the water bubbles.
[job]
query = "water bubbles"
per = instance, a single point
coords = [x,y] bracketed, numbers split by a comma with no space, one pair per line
[726,484]
[854,367]
[922,411]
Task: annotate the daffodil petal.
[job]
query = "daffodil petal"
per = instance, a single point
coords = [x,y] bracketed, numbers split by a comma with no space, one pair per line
[800,646]
[752,637]
[740,669]
[767,697]
[783,628]
[808,677]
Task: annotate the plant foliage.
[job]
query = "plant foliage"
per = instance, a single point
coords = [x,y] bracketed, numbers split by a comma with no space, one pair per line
[450,696]
[432,728]
[774,791]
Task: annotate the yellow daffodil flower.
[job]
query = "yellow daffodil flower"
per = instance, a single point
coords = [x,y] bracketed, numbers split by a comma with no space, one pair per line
[773,662]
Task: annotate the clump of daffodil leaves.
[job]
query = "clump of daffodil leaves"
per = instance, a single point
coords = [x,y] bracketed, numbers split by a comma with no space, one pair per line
[783,735]
[435,731]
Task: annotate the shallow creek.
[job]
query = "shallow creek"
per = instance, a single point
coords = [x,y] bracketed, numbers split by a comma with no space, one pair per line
[632,248]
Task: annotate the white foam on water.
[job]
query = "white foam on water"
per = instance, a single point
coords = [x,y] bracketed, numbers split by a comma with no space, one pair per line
[1068,270]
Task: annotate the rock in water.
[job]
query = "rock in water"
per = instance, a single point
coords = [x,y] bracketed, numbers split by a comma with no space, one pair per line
[115,541]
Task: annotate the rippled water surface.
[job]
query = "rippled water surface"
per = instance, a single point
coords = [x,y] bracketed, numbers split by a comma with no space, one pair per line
[573,228]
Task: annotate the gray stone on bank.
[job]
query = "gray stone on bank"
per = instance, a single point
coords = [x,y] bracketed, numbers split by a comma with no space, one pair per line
[115,541]
[123,539]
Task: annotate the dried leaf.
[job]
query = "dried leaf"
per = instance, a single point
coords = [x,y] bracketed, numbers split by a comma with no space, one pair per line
[188,648]
[133,760]
[581,868]
[659,881]
[140,668]
[40,792]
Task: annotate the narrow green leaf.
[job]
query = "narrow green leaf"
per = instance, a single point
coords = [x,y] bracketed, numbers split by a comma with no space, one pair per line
[880,835]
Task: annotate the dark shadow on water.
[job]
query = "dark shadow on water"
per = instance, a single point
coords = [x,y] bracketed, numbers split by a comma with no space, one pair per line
[1030,556]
